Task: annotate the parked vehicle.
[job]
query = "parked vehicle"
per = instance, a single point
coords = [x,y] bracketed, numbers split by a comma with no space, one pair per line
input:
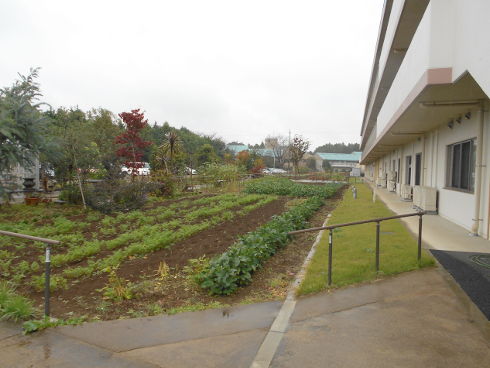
[267,171]
[271,170]
[190,171]
[278,171]
[143,169]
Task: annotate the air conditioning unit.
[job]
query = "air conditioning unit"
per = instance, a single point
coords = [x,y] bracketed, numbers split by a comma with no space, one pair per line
[417,196]
[392,175]
[425,198]
[381,182]
[406,192]
[392,186]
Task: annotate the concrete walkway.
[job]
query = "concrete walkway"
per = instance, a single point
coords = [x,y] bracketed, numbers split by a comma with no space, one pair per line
[438,233]
[212,338]
[411,320]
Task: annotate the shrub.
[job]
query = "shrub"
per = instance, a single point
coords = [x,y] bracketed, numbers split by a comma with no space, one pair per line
[165,184]
[118,195]
[218,173]
[71,194]
[234,267]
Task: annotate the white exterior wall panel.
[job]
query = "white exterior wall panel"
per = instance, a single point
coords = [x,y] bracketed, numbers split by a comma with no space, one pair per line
[414,65]
[471,37]
[395,14]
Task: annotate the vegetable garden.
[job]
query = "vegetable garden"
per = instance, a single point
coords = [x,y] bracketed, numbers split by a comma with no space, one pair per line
[171,255]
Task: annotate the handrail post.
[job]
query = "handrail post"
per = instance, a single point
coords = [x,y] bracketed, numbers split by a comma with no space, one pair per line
[47,291]
[377,245]
[419,251]
[47,263]
[330,246]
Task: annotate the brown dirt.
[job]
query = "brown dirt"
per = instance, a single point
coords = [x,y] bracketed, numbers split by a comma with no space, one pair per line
[269,283]
[208,242]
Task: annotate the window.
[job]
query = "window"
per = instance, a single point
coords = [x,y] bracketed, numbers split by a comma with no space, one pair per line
[461,165]
[398,172]
[408,170]
[418,168]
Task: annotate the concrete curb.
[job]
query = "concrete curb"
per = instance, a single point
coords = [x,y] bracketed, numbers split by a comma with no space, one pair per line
[271,343]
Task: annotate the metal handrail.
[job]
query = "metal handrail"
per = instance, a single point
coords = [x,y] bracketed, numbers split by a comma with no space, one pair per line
[375,220]
[356,223]
[48,242]
[30,237]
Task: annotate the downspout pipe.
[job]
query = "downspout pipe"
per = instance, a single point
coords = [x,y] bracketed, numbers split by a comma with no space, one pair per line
[422,162]
[478,172]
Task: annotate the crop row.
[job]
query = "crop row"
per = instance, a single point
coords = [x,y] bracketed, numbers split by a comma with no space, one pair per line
[286,187]
[234,267]
[63,229]
[158,237]
[93,247]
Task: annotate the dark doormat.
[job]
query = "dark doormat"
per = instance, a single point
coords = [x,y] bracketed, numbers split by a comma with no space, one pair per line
[472,272]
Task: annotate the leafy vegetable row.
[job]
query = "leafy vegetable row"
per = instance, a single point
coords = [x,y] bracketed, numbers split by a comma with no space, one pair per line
[234,267]
[284,186]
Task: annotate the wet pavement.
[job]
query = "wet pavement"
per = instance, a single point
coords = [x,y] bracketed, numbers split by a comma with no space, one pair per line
[411,320]
[228,337]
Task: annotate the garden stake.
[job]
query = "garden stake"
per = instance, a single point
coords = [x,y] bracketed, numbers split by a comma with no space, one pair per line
[330,245]
[419,253]
[377,245]
[47,281]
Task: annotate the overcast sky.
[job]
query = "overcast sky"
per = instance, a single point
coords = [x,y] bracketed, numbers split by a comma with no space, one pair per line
[240,69]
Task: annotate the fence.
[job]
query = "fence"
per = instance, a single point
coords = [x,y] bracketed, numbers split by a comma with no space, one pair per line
[48,243]
[378,225]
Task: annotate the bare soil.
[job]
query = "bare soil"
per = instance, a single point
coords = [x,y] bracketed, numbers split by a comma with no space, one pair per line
[156,294]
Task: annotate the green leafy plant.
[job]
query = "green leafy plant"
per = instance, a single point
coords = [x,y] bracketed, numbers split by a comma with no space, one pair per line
[57,282]
[12,306]
[35,266]
[195,267]
[41,324]
[283,186]
[117,288]
[234,267]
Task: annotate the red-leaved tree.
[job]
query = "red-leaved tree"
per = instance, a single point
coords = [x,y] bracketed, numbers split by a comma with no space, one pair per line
[130,143]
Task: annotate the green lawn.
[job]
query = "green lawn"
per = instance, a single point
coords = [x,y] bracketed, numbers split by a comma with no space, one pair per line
[354,246]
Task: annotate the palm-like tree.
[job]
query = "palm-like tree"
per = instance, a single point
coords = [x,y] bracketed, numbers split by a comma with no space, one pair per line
[167,152]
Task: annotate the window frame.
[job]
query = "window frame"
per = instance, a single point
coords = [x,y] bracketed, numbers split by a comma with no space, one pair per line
[408,170]
[461,165]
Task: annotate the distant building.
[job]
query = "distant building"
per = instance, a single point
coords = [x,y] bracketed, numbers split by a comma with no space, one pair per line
[264,152]
[341,161]
[237,148]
